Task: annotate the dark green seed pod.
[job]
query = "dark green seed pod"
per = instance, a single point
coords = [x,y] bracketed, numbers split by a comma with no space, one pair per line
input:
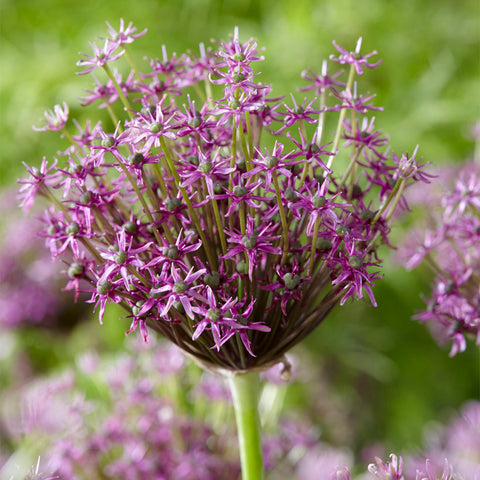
[171,252]
[366,215]
[324,243]
[172,203]
[73,229]
[319,201]
[180,286]
[341,230]
[75,270]
[212,280]
[195,121]
[313,147]
[239,191]
[104,287]
[355,261]
[130,227]
[290,194]
[136,159]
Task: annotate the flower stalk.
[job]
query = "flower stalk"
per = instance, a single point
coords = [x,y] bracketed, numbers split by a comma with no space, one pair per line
[245,390]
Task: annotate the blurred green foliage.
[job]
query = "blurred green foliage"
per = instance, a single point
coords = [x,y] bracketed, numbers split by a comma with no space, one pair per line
[391,374]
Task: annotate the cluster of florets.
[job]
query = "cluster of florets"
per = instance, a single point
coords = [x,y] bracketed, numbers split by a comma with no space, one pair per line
[450,247]
[220,222]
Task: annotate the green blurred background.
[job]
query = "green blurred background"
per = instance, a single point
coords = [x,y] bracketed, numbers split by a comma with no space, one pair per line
[389,377]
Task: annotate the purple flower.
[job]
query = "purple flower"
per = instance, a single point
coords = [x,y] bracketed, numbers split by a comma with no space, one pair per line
[355,58]
[221,223]
[56,119]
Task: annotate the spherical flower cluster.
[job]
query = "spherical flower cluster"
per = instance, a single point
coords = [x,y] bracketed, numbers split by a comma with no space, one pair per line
[450,247]
[232,244]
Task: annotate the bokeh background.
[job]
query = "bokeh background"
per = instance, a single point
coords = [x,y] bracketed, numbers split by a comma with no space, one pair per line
[386,376]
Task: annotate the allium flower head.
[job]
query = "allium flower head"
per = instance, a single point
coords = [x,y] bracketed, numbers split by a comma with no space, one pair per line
[232,248]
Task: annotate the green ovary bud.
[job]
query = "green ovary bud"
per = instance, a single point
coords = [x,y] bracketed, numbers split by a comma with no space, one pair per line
[180,286]
[366,215]
[324,243]
[130,227]
[319,201]
[155,127]
[290,194]
[108,142]
[249,241]
[238,77]
[73,229]
[242,267]
[271,162]
[104,287]
[238,57]
[86,197]
[75,270]
[136,159]
[172,203]
[205,167]
[341,230]
[239,191]
[234,104]
[291,281]
[138,306]
[120,258]
[355,261]
[171,252]
[213,314]
[195,121]
[212,280]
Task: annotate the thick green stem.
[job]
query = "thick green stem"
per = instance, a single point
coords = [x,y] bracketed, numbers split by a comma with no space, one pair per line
[245,393]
